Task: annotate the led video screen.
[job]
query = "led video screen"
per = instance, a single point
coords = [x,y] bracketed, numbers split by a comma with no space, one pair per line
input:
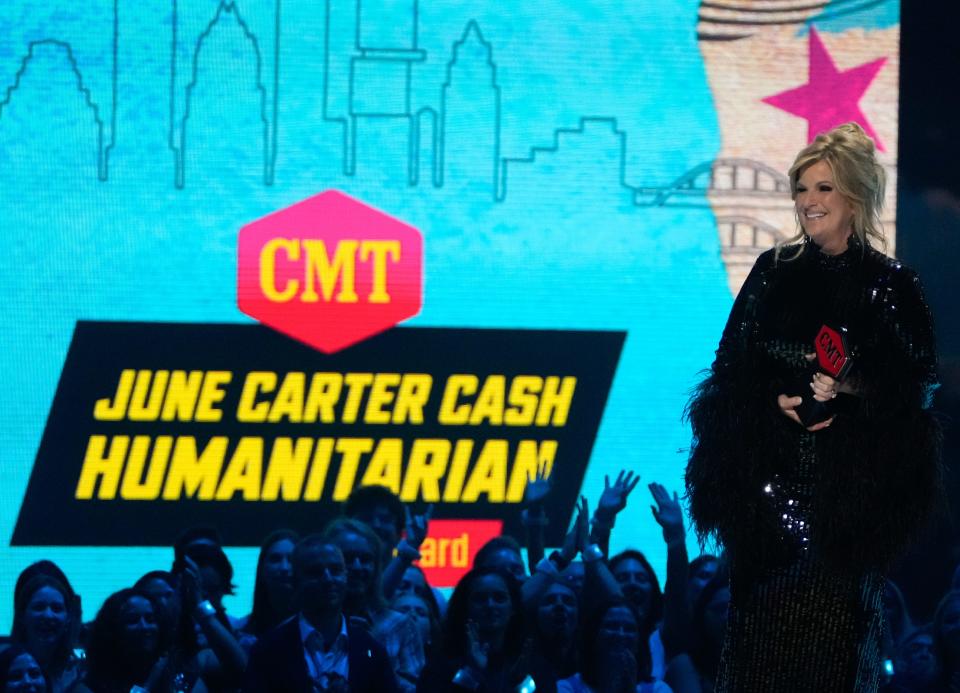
[488,239]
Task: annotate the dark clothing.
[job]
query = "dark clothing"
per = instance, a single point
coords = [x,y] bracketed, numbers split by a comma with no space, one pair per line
[277,663]
[810,520]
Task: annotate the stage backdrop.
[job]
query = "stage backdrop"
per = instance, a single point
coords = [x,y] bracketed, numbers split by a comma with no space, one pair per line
[555,201]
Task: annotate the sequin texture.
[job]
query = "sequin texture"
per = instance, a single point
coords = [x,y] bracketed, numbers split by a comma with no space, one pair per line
[810,520]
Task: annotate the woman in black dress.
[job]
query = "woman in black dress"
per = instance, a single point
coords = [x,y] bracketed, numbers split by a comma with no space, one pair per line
[811,515]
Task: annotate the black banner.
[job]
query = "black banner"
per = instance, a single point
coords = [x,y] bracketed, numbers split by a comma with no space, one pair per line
[156,427]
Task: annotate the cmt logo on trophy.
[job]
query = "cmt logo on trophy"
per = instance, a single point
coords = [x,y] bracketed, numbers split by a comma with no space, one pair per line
[330,271]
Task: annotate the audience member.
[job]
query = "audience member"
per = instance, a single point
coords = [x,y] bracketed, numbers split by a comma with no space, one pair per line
[613,653]
[20,672]
[915,665]
[273,588]
[205,576]
[555,622]
[700,571]
[130,648]
[328,616]
[425,613]
[695,671]
[640,587]
[161,587]
[397,632]
[415,581]
[184,650]
[382,511]
[318,650]
[503,553]
[484,639]
[46,625]
[51,569]
[401,532]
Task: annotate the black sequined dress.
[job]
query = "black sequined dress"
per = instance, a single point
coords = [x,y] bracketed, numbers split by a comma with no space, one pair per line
[810,520]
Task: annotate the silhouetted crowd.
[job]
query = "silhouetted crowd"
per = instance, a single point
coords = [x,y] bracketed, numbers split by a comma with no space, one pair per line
[347,609]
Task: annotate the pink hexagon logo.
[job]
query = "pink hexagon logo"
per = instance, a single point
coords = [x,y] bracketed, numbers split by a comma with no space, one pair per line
[330,271]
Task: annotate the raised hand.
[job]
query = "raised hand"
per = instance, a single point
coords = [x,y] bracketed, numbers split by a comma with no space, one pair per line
[191,583]
[417,525]
[477,652]
[614,497]
[667,512]
[538,487]
[582,525]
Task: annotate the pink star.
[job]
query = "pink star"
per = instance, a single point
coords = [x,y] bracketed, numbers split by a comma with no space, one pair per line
[830,97]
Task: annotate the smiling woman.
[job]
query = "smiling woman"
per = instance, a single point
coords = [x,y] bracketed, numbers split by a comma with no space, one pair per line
[20,672]
[838,190]
[812,513]
[46,622]
[128,641]
[825,214]
[483,640]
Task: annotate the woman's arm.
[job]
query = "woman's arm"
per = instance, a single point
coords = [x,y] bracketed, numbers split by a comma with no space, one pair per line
[226,656]
[738,431]
[675,630]
[534,517]
[408,550]
[599,583]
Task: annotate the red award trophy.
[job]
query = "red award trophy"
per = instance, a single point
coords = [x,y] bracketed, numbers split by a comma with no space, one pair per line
[833,359]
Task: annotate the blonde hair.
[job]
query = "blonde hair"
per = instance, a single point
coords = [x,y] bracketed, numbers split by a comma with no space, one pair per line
[857,175]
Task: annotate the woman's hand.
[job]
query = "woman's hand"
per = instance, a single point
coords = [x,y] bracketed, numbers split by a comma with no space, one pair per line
[538,488]
[614,497]
[788,406]
[477,651]
[667,513]
[418,525]
[191,583]
[583,525]
[824,387]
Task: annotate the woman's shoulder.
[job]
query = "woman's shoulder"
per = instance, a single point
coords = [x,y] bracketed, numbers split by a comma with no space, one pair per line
[768,259]
[894,269]
[893,283]
[762,268]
